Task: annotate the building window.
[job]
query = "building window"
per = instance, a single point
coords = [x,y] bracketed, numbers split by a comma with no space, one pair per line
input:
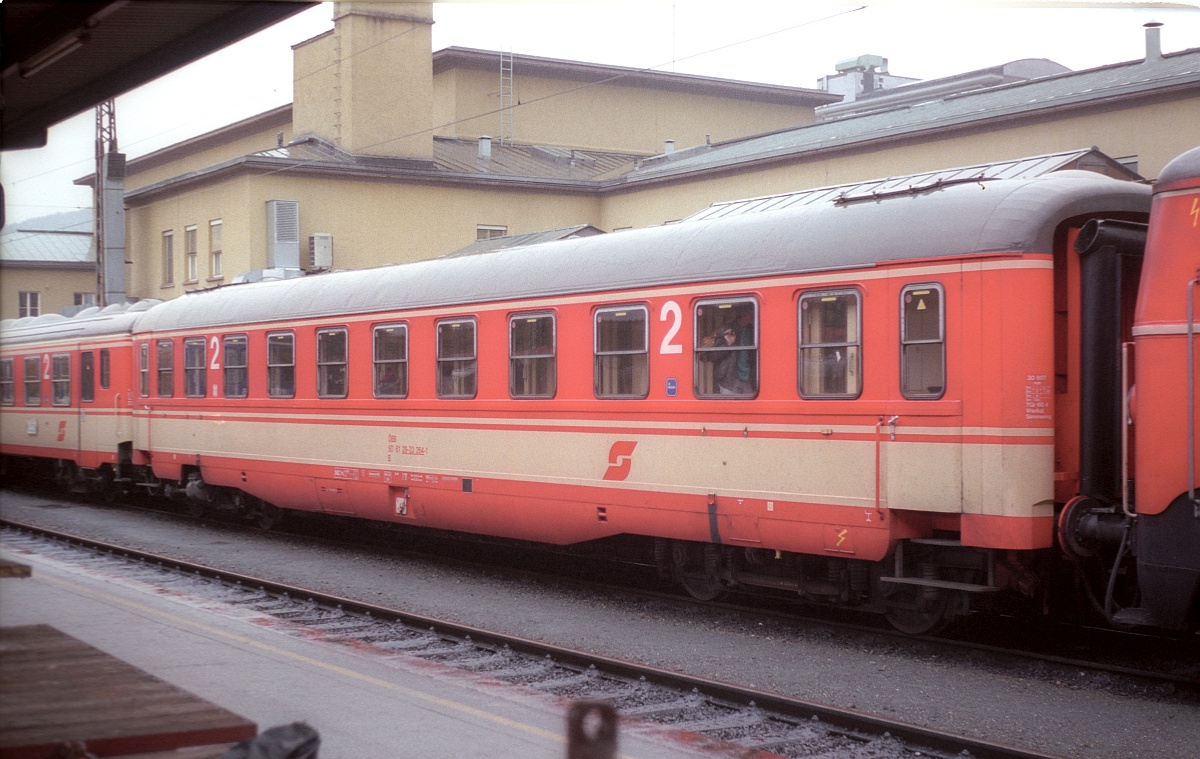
[215,248]
[281,365]
[85,299]
[489,231]
[922,341]
[194,366]
[391,361]
[189,244]
[725,359]
[166,369]
[622,358]
[531,356]
[60,379]
[29,304]
[168,258]
[87,376]
[237,363]
[830,344]
[105,368]
[331,363]
[33,380]
[7,383]
[456,357]
[144,369]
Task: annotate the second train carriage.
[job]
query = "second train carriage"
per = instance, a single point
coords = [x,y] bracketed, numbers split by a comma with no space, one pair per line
[873,401]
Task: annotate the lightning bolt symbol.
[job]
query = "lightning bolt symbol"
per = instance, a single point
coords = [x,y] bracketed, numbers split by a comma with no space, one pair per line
[842,537]
[1195,211]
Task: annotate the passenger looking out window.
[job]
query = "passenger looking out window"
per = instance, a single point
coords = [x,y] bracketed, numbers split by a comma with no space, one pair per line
[726,353]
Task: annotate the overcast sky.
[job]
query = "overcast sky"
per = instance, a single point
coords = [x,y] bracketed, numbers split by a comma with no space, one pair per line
[789,43]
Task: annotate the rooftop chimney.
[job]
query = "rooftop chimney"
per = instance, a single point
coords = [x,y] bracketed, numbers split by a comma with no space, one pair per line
[485,148]
[668,147]
[1153,40]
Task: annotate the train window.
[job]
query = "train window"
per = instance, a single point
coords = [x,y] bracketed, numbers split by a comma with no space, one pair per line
[531,356]
[236,363]
[922,341]
[144,369]
[457,359]
[105,368]
[7,383]
[166,368]
[830,352]
[87,376]
[391,360]
[332,352]
[622,356]
[725,360]
[60,379]
[195,377]
[281,365]
[33,380]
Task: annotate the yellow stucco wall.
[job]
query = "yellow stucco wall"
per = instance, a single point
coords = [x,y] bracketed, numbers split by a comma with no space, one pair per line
[256,137]
[611,117]
[368,86]
[57,286]
[372,223]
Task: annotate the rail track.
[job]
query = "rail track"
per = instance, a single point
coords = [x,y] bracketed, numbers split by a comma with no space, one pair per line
[1073,654]
[727,716]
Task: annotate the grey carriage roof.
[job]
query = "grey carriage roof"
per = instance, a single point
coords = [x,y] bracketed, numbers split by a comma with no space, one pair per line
[88,323]
[976,218]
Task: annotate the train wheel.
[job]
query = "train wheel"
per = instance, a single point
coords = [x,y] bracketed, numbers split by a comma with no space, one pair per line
[269,516]
[918,611]
[695,567]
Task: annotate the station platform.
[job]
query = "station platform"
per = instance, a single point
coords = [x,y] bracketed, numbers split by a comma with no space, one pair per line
[362,703]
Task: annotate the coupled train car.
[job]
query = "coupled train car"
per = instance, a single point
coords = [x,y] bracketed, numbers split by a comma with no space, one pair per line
[902,402]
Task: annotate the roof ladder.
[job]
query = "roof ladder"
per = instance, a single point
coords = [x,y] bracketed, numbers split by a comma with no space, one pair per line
[506,97]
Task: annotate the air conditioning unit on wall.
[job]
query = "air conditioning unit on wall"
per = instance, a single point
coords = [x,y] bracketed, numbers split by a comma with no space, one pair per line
[320,251]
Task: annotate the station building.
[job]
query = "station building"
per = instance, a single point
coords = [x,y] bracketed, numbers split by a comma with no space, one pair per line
[391,152]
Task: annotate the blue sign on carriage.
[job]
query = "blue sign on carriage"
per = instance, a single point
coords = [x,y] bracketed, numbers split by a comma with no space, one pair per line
[672,387]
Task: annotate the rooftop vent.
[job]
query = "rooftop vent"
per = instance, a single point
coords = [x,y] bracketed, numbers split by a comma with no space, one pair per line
[1153,40]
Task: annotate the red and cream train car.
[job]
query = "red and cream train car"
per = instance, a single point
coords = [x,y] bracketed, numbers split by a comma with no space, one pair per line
[873,401]
[65,392]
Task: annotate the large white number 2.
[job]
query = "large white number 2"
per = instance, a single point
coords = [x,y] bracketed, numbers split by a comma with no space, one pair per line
[215,347]
[671,311]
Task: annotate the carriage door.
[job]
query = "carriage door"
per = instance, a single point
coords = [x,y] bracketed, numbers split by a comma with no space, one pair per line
[922,472]
[87,441]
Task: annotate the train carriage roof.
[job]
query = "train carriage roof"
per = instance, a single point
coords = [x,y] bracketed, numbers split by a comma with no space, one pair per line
[969,218]
[89,323]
